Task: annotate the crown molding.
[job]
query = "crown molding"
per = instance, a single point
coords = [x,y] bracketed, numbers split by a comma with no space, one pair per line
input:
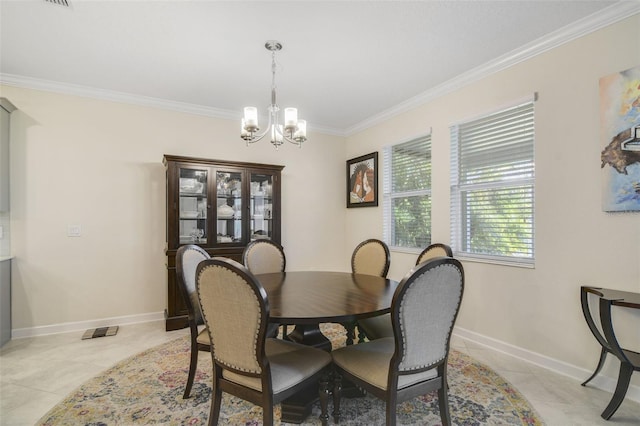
[127,98]
[589,24]
[108,95]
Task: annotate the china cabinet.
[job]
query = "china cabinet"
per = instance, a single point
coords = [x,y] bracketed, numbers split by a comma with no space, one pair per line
[220,206]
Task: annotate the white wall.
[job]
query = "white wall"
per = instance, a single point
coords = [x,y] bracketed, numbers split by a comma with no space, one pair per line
[576,243]
[98,164]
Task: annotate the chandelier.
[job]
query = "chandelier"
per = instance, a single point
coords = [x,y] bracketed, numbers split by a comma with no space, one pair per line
[293,130]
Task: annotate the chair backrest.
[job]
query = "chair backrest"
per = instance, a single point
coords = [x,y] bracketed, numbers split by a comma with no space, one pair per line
[264,257]
[187,259]
[434,250]
[236,311]
[371,257]
[423,312]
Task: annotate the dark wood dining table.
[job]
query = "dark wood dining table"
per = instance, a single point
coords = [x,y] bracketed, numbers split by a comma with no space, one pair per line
[307,298]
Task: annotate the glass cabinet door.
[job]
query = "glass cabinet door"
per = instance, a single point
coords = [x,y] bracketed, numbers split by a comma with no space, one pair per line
[229,206]
[261,206]
[193,205]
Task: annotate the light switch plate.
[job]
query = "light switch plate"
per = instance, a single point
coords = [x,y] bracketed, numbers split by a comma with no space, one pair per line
[74,230]
[1,232]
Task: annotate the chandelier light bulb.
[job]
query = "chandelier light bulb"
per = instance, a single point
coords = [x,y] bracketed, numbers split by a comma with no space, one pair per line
[251,119]
[290,119]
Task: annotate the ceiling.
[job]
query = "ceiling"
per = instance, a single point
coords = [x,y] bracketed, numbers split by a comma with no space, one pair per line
[343,63]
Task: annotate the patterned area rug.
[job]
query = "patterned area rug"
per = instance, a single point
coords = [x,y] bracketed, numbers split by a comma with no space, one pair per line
[147,389]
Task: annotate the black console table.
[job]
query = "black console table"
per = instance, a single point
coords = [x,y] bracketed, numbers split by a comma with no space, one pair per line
[629,360]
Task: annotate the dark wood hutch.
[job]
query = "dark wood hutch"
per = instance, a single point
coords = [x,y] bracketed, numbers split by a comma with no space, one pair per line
[219,205]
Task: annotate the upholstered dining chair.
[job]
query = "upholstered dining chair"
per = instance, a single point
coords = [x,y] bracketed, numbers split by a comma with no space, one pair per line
[434,250]
[370,257]
[265,257]
[414,361]
[187,259]
[380,326]
[247,363]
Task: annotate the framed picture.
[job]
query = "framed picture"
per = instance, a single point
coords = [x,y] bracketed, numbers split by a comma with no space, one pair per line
[362,181]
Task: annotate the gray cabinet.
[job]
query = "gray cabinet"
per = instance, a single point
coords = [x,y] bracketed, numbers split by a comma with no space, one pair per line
[5,301]
[6,108]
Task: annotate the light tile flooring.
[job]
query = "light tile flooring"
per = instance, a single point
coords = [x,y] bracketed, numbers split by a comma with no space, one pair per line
[36,373]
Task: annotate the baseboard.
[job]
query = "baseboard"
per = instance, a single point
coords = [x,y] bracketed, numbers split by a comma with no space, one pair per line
[602,382]
[67,327]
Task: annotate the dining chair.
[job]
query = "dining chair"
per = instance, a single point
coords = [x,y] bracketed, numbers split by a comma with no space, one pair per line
[187,259]
[629,360]
[265,257]
[380,326]
[434,250]
[370,257]
[414,361]
[247,363]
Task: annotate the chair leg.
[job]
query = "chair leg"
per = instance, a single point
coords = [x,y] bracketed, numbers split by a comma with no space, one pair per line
[391,408]
[603,355]
[337,395]
[443,404]
[361,336]
[624,377]
[192,369]
[267,415]
[216,400]
[323,394]
[351,332]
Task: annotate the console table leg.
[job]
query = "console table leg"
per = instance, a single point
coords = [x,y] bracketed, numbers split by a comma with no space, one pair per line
[624,377]
[603,355]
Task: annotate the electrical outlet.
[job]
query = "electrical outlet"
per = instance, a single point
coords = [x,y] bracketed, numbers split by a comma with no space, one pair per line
[74,230]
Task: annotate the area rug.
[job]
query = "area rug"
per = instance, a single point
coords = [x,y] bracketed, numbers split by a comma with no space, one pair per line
[146,389]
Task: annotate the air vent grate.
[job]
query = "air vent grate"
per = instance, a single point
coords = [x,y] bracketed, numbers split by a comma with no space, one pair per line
[64,3]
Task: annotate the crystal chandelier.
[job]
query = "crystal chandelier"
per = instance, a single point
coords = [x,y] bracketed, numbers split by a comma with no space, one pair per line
[293,130]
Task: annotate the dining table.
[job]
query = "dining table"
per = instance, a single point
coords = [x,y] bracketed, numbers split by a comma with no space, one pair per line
[305,299]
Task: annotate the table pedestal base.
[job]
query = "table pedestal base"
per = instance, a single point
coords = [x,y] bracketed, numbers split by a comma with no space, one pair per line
[310,335]
[297,408]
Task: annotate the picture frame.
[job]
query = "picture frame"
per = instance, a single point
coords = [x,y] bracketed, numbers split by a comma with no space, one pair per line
[362,181]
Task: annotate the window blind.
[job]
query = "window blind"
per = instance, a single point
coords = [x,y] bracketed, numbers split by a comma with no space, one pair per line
[407,194]
[492,186]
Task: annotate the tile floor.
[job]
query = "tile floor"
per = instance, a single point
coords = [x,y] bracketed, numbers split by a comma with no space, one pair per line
[36,373]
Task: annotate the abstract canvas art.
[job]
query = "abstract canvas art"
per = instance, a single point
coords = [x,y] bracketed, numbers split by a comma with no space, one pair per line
[620,136]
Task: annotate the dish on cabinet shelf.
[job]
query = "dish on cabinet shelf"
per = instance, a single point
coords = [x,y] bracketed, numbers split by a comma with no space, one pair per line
[191,186]
[225,212]
[189,215]
[260,237]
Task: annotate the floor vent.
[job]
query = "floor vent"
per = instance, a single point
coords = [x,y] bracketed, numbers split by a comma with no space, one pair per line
[100,332]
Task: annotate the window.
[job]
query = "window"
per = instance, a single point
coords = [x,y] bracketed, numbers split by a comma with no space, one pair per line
[492,186]
[407,194]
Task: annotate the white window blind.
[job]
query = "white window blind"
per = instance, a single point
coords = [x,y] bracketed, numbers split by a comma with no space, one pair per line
[407,194]
[492,186]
